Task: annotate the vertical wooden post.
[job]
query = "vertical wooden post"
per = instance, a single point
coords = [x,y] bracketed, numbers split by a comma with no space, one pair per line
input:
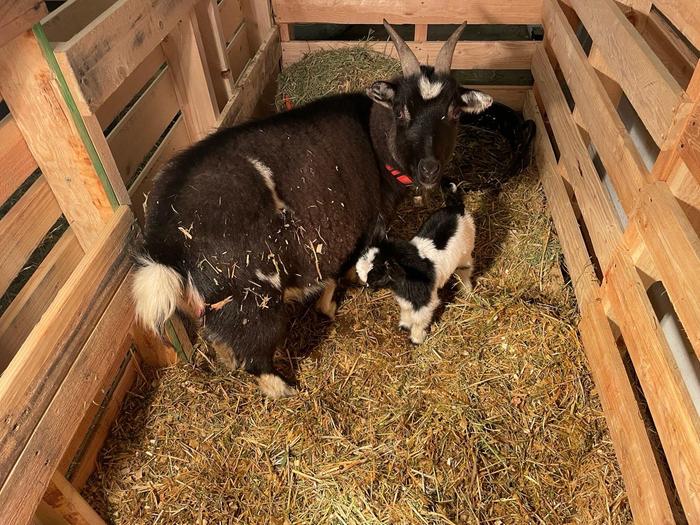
[286,32]
[185,53]
[420,33]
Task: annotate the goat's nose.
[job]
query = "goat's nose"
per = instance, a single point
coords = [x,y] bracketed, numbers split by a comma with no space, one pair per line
[428,169]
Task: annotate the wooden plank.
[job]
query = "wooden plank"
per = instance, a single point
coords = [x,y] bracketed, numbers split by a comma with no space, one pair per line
[184,51]
[578,263]
[468,55]
[33,377]
[260,70]
[231,18]
[671,406]
[643,479]
[15,158]
[47,124]
[212,32]
[36,295]
[286,32]
[686,188]
[17,16]
[420,32]
[408,11]
[137,132]
[671,50]
[66,21]
[144,72]
[67,501]
[44,447]
[684,15]
[176,139]
[614,145]
[89,459]
[597,209]
[675,248]
[97,60]
[238,52]
[24,227]
[258,15]
[652,90]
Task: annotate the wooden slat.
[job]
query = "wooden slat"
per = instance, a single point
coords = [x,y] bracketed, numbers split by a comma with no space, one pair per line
[286,32]
[614,145]
[63,23]
[214,42]
[420,32]
[89,459]
[15,158]
[575,252]
[652,90]
[30,89]
[36,295]
[144,72]
[671,406]
[258,16]
[685,16]
[597,209]
[238,52]
[175,140]
[260,70]
[468,55]
[231,18]
[24,227]
[643,479]
[137,132]
[671,50]
[44,448]
[17,16]
[30,382]
[408,11]
[686,188]
[675,248]
[98,59]
[70,505]
[186,58]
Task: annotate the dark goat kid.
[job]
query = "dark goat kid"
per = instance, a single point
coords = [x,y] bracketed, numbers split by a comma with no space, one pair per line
[415,270]
[275,211]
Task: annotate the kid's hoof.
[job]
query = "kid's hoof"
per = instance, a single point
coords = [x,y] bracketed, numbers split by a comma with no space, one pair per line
[274,387]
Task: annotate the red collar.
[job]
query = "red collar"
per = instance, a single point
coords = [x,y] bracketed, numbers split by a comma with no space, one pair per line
[399,175]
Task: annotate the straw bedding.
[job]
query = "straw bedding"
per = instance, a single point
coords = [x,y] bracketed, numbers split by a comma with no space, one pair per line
[494,419]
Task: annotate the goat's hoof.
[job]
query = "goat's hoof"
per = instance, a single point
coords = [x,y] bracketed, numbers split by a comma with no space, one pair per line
[274,387]
[418,339]
[328,310]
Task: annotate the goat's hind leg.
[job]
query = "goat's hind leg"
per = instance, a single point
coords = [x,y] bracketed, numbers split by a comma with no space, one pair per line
[421,320]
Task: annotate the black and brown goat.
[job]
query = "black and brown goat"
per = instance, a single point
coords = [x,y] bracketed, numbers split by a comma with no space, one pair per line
[271,211]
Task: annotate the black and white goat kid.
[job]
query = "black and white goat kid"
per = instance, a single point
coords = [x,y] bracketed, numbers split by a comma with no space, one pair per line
[415,270]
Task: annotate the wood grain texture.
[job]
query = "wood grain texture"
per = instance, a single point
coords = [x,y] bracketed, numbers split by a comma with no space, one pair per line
[30,89]
[408,11]
[595,204]
[31,381]
[15,158]
[66,500]
[671,406]
[685,16]
[24,227]
[184,51]
[211,29]
[231,18]
[96,62]
[468,55]
[258,15]
[17,16]
[36,295]
[69,18]
[652,90]
[238,52]
[137,132]
[614,145]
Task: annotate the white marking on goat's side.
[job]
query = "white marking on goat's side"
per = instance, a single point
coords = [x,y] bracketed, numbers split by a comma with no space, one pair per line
[273,278]
[266,174]
[428,89]
[366,263]
[274,387]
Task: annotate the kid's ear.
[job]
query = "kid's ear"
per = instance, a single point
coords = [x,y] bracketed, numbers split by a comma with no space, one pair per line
[382,93]
[473,101]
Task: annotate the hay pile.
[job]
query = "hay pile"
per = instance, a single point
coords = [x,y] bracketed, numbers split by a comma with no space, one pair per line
[493,420]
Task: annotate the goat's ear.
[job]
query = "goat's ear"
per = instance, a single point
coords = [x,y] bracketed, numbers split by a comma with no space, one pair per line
[473,101]
[382,93]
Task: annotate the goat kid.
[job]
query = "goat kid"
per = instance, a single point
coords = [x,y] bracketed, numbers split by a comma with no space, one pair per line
[415,270]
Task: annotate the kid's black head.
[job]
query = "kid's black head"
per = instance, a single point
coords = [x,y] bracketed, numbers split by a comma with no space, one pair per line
[426,104]
[377,267]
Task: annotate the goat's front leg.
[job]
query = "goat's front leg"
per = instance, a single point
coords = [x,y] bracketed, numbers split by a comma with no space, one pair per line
[406,320]
[325,304]
[421,320]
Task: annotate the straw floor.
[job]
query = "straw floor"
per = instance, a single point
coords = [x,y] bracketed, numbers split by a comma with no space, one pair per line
[494,419]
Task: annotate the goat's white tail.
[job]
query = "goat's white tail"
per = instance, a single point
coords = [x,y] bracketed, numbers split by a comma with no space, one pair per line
[157,290]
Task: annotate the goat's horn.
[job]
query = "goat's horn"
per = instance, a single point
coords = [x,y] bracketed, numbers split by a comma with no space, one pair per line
[443,63]
[409,62]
